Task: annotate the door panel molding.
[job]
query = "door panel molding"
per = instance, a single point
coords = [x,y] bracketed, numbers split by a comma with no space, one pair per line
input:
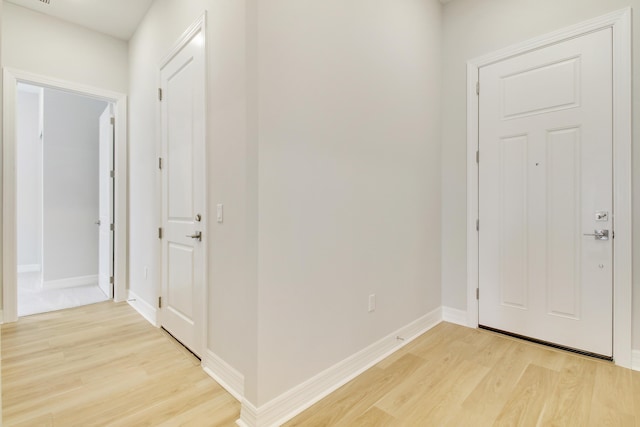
[620,23]
[9,238]
[548,186]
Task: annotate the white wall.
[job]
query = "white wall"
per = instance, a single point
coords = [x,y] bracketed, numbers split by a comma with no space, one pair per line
[70,171]
[472,29]
[48,46]
[349,178]
[29,177]
[331,110]
[1,142]
[232,285]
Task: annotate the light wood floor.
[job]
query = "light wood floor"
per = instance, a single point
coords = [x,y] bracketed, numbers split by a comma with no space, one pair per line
[455,376]
[105,365]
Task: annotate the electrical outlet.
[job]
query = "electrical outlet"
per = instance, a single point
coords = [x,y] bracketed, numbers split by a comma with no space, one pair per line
[372,303]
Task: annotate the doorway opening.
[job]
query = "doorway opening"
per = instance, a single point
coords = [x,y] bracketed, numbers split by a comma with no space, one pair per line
[64,199]
[117,286]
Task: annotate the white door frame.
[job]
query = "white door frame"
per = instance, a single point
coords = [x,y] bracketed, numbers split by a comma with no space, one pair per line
[620,22]
[9,240]
[199,26]
[111,186]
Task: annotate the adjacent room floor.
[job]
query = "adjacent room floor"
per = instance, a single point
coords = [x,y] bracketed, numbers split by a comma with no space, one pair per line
[32,298]
[104,364]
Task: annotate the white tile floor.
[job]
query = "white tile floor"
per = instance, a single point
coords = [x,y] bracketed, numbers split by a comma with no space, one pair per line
[33,299]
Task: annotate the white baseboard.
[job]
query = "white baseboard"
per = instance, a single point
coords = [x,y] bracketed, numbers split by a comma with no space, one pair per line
[145,309]
[224,374]
[635,360]
[299,398]
[29,268]
[248,415]
[71,282]
[452,315]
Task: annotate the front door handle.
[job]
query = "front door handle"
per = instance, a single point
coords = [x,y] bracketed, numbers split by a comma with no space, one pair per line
[197,236]
[600,234]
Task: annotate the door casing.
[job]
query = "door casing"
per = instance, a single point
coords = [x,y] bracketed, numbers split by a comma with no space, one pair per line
[620,22]
[105,164]
[9,236]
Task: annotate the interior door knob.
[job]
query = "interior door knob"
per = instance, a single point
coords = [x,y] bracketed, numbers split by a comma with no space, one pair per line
[197,236]
[599,234]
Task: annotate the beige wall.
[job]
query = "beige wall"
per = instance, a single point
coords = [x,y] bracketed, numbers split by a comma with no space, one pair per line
[349,173]
[471,29]
[70,183]
[1,195]
[47,46]
[29,177]
[324,141]
[232,314]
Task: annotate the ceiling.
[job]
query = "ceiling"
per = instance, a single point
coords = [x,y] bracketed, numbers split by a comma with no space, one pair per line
[117,18]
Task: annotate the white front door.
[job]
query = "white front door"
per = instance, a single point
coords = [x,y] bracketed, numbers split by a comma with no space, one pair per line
[545,186]
[105,216]
[183,194]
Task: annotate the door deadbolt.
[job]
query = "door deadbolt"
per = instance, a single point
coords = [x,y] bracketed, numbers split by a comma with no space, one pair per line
[602,216]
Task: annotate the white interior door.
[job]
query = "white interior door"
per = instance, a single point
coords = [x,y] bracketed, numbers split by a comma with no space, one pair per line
[183,194]
[105,233]
[545,177]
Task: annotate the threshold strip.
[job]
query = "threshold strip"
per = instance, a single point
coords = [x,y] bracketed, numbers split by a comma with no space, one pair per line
[548,344]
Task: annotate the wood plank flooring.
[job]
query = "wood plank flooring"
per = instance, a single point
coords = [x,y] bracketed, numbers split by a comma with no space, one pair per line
[455,376]
[105,365]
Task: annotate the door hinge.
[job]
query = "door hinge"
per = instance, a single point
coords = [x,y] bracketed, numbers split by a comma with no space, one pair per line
[478,156]
[112,227]
[477,88]
[111,280]
[159,302]
[112,174]
[160,233]
[477,225]
[113,120]
[160,94]
[160,163]
[477,293]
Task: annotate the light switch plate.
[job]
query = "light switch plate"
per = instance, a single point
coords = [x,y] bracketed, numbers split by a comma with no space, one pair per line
[220,213]
[372,303]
